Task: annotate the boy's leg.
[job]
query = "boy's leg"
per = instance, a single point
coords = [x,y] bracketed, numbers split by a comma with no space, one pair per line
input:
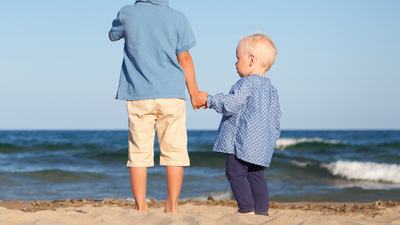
[236,172]
[174,182]
[172,137]
[141,142]
[138,177]
[259,189]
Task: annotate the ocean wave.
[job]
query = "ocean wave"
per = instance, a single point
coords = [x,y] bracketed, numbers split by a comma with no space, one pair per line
[15,148]
[300,164]
[393,145]
[283,143]
[365,171]
[61,176]
[9,148]
[220,195]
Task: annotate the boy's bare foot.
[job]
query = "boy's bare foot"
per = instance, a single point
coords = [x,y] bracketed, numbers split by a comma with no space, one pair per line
[171,208]
[144,209]
[248,213]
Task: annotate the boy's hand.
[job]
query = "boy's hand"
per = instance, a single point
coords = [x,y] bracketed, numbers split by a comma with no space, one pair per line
[199,100]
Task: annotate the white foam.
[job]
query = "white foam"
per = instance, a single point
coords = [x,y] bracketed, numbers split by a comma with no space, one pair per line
[300,164]
[365,171]
[220,195]
[282,143]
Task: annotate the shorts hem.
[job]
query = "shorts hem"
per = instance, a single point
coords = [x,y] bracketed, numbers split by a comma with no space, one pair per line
[175,163]
[131,164]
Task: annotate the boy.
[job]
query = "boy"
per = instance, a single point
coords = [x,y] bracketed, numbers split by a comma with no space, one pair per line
[250,124]
[156,65]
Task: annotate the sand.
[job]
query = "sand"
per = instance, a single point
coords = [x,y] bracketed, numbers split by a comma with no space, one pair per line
[115,211]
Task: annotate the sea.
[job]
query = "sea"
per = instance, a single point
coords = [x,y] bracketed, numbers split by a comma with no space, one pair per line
[307,165]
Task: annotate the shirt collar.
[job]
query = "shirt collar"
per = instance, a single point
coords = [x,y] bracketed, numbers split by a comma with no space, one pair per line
[155,2]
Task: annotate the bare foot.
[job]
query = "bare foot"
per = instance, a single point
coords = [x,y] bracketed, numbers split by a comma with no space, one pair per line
[171,208]
[248,213]
[144,209]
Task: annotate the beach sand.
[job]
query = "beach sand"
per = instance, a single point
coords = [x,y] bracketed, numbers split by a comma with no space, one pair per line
[116,211]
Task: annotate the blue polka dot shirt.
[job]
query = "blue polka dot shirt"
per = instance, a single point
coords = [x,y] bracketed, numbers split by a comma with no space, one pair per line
[250,123]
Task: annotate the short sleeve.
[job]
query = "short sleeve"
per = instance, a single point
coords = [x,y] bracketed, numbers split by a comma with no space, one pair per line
[117,29]
[186,38]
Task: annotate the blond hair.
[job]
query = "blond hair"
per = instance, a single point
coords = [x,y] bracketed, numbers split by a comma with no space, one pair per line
[261,46]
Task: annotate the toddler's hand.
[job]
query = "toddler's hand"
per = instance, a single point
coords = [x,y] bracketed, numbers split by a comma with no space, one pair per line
[199,100]
[204,96]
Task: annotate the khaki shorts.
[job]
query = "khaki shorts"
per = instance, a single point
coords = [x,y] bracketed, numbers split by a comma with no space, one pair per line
[168,116]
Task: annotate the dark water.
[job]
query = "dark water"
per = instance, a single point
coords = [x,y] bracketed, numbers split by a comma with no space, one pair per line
[360,166]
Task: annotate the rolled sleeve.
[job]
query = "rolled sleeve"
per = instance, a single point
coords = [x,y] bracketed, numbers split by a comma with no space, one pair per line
[117,29]
[186,38]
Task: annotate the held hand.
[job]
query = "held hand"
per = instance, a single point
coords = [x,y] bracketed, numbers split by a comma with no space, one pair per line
[204,96]
[199,100]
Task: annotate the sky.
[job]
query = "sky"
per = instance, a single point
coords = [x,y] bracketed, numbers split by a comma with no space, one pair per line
[337,65]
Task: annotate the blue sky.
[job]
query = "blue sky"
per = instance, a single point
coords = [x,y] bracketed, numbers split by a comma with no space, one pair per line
[337,66]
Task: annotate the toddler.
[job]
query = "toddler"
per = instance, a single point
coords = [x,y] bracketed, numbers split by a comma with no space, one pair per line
[250,124]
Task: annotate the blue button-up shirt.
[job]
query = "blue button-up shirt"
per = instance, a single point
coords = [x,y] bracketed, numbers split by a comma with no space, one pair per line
[250,124]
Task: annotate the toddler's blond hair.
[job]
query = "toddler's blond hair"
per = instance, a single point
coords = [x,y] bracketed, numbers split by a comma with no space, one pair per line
[261,46]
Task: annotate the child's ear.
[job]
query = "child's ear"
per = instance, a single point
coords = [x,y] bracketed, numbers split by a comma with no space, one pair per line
[252,60]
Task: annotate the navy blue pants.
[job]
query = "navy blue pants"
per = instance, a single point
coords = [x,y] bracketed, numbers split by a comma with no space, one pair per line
[248,185]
